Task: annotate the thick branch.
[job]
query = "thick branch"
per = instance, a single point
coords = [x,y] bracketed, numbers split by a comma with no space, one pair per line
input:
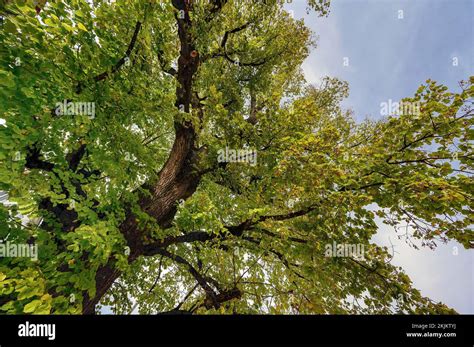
[122,60]
[203,282]
[233,31]
[118,65]
[75,157]
[169,70]
[33,160]
[216,7]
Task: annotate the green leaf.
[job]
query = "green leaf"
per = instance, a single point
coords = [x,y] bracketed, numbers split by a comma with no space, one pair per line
[31,307]
[81,26]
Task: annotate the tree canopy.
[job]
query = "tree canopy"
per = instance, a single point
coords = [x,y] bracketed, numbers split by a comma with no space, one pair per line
[129,205]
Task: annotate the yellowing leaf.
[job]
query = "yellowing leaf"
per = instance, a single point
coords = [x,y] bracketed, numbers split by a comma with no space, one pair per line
[68,27]
[81,26]
[31,307]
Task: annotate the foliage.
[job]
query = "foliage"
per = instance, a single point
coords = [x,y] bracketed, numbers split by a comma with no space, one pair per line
[246,239]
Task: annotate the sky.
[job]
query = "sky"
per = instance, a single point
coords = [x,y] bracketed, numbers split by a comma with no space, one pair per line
[392,47]
[390,53]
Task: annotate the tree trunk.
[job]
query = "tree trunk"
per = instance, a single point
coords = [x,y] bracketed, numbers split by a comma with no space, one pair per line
[178,179]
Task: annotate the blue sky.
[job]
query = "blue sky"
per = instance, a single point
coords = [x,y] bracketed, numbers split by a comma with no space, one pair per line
[389,57]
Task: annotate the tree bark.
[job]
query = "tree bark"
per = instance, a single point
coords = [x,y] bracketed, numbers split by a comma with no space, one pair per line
[178,179]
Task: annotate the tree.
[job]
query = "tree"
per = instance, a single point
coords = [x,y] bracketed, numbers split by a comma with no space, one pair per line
[114,117]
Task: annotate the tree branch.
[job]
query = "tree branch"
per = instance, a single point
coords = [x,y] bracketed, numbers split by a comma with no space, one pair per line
[74,158]
[117,65]
[171,71]
[216,7]
[33,160]
[203,282]
[122,60]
